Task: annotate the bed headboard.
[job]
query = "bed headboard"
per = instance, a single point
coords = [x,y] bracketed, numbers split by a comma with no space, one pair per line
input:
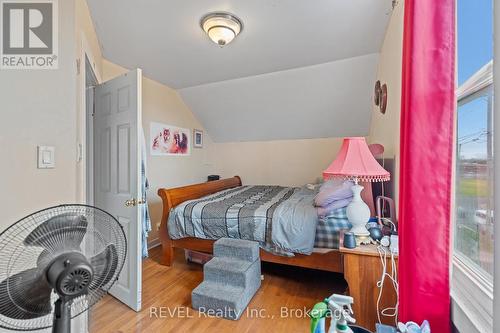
[174,196]
[177,195]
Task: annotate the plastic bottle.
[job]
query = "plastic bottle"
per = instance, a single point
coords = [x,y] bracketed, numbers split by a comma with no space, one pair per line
[318,315]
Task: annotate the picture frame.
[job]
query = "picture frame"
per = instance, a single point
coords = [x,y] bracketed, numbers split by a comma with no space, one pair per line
[197,138]
[170,140]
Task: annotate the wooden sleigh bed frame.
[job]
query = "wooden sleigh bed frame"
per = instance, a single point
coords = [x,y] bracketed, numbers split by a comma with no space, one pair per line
[328,260]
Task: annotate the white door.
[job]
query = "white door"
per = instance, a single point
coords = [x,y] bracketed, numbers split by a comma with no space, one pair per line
[117,172]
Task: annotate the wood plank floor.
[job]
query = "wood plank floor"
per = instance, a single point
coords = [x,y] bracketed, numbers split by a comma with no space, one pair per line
[166,301]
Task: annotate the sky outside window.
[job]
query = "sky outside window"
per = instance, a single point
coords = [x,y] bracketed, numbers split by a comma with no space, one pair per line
[475,49]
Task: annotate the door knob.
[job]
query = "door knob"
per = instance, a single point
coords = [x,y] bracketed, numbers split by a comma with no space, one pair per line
[134,202]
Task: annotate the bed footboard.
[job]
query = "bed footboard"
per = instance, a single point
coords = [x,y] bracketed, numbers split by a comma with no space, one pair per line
[175,196]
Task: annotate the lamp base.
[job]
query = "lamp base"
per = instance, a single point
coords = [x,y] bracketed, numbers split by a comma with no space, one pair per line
[363,240]
[358,213]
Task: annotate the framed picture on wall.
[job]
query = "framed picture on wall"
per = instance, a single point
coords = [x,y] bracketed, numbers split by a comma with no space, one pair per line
[169,140]
[197,138]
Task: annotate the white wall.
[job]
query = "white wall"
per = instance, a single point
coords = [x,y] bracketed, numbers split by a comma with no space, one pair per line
[163,104]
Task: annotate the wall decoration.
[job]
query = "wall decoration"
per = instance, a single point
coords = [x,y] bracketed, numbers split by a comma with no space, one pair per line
[377,92]
[383,98]
[169,140]
[197,138]
[380,96]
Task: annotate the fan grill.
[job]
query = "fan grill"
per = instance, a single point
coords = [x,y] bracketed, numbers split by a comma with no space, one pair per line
[30,245]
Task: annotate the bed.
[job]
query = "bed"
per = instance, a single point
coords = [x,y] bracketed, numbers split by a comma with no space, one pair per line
[189,222]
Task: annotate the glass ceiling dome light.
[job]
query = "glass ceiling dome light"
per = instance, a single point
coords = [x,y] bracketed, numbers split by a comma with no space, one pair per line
[221,27]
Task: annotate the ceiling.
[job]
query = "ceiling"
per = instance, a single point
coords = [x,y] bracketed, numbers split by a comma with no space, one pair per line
[293,56]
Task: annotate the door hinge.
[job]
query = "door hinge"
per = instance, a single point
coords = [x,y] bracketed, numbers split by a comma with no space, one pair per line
[77,66]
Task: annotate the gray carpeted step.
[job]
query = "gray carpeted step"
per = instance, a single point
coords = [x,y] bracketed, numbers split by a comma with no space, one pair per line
[231,271]
[220,300]
[236,248]
[231,279]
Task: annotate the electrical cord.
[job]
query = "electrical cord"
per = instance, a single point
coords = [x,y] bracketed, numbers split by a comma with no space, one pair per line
[390,311]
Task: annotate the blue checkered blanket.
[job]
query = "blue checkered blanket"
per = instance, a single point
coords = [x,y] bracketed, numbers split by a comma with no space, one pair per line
[329,228]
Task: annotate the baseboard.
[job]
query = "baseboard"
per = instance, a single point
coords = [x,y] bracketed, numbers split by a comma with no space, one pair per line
[154,243]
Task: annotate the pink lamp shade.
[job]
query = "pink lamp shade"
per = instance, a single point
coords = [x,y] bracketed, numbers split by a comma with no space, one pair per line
[355,161]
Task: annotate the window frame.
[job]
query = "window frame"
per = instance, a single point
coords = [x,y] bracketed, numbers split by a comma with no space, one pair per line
[472,289]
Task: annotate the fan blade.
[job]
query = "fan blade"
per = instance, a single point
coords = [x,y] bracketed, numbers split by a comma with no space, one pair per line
[59,233]
[104,266]
[25,295]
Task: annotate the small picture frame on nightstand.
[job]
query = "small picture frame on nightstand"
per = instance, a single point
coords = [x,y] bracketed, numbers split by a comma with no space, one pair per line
[197,138]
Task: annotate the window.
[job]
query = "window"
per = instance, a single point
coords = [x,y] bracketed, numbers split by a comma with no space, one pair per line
[472,279]
[474,176]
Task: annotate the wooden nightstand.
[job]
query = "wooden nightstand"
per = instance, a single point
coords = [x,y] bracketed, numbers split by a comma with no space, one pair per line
[362,271]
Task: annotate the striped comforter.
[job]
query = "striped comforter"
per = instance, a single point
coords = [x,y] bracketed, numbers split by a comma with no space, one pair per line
[282,219]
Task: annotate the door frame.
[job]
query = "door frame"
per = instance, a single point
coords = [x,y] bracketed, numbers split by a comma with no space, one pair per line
[85,148]
[88,150]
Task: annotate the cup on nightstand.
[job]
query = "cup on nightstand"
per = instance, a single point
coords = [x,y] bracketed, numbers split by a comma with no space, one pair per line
[349,240]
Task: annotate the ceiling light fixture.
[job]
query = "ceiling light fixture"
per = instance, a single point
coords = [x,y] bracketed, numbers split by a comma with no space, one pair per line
[221,27]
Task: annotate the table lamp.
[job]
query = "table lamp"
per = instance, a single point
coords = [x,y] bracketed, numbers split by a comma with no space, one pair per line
[355,162]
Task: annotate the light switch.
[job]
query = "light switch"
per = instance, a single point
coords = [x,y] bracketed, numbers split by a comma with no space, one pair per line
[46,157]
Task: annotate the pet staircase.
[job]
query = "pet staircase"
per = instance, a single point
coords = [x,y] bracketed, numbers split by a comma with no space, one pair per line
[231,278]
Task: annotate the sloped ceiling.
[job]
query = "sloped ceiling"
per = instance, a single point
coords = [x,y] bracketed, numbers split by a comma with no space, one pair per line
[299,69]
[314,101]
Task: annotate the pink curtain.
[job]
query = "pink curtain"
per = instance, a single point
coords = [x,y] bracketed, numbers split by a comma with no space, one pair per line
[427,126]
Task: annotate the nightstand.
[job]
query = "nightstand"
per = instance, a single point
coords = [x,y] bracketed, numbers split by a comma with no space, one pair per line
[362,271]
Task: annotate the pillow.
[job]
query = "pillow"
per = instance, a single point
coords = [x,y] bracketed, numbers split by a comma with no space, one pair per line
[333,190]
[329,228]
[337,204]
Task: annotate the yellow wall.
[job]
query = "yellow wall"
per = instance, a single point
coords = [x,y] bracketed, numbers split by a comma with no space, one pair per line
[163,104]
[385,128]
[285,162]
[86,35]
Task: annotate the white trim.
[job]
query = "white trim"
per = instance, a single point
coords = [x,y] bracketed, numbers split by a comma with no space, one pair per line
[85,52]
[471,290]
[496,155]
[482,79]
[88,148]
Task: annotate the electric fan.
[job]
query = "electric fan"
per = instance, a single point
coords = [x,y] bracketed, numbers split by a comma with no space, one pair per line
[57,263]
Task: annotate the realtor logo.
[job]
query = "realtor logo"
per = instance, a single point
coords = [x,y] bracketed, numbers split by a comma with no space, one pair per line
[29,34]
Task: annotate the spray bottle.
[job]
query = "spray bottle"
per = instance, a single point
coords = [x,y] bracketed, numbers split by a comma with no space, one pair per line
[318,315]
[341,311]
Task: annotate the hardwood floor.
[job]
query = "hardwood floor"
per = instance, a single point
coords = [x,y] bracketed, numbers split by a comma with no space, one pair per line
[166,301]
